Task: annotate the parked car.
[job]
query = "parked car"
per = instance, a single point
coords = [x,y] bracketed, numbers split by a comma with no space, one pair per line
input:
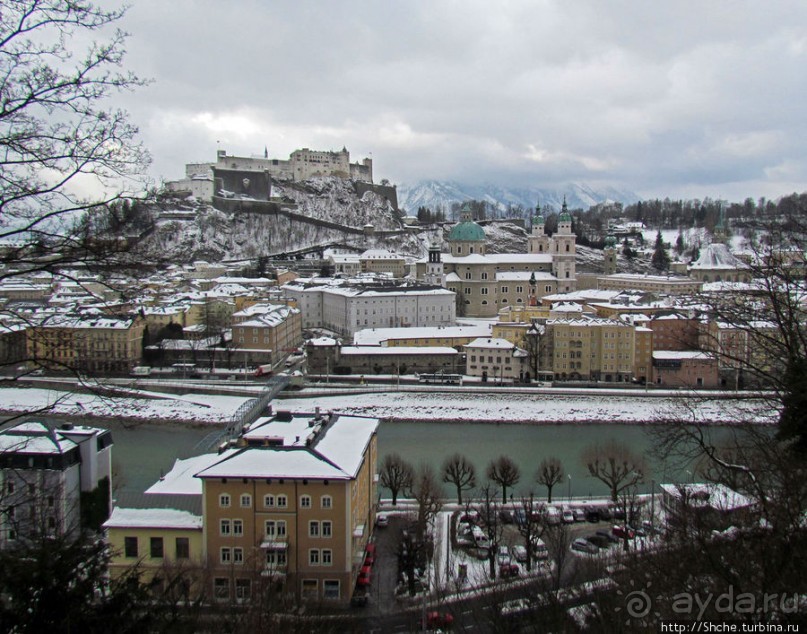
[519,553]
[360,597]
[567,517]
[618,513]
[584,546]
[605,513]
[579,515]
[503,555]
[623,531]
[520,517]
[593,516]
[609,536]
[506,517]
[509,570]
[540,551]
[552,516]
[438,620]
[382,520]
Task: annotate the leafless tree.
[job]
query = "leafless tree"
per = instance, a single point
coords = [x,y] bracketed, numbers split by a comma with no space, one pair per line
[62,137]
[615,465]
[487,510]
[397,475]
[429,497]
[531,527]
[460,472]
[550,473]
[504,472]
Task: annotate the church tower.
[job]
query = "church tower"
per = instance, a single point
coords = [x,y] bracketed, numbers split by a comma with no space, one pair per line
[609,255]
[563,250]
[435,271]
[538,241]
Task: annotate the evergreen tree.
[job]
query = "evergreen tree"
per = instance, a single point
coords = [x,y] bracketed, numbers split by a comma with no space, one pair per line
[661,259]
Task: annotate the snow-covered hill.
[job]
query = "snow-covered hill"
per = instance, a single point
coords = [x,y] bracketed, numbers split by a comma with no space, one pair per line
[318,212]
[434,194]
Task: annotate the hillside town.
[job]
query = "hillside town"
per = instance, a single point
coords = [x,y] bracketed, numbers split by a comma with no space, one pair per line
[292,391]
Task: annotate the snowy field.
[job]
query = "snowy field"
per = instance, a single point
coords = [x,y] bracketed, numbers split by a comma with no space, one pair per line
[193,408]
[536,408]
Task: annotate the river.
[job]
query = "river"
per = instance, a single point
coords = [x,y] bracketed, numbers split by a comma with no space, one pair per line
[142,453]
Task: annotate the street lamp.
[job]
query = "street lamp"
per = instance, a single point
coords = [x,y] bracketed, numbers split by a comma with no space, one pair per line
[570,487]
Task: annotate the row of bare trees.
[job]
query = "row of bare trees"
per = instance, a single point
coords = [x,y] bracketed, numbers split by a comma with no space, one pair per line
[613,463]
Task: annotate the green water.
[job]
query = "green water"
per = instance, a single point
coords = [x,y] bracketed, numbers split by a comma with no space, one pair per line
[141,454]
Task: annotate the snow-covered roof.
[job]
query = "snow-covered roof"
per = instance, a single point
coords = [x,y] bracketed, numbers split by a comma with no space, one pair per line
[303,446]
[707,494]
[397,350]
[681,355]
[180,479]
[498,258]
[717,256]
[34,438]
[523,276]
[153,518]
[375,336]
[493,343]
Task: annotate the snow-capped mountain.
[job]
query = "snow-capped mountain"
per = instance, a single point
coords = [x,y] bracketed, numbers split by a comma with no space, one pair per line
[433,194]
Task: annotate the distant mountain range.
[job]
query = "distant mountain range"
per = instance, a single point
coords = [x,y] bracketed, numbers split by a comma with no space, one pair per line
[433,194]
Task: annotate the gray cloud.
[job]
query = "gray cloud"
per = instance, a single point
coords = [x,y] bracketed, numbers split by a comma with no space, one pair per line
[681,98]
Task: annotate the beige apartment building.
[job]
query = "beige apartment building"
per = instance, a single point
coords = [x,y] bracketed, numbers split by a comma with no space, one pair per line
[268,328]
[588,349]
[92,343]
[294,508]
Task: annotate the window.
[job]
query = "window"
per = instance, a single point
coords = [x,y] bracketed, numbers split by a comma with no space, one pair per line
[282,501]
[246,500]
[505,289]
[224,500]
[238,555]
[221,588]
[468,275]
[519,289]
[183,548]
[313,557]
[225,527]
[484,275]
[327,529]
[269,500]
[275,557]
[330,589]
[275,528]
[226,555]
[156,547]
[327,557]
[238,527]
[326,502]
[305,501]
[243,588]
[313,529]
[484,291]
[309,589]
[130,546]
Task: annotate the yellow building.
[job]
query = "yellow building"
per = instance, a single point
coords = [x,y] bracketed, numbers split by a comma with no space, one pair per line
[164,544]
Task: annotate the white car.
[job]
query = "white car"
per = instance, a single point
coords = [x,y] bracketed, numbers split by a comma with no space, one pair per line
[503,555]
[567,517]
[381,520]
[520,553]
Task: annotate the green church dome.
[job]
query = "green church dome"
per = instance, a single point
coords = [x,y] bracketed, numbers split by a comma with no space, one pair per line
[467,231]
[610,241]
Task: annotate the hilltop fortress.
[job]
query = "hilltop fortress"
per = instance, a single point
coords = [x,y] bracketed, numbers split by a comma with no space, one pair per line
[203,180]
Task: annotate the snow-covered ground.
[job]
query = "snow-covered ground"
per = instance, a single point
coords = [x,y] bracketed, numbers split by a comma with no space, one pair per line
[197,408]
[593,407]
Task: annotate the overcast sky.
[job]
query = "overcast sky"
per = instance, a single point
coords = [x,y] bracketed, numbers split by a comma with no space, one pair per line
[678,98]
